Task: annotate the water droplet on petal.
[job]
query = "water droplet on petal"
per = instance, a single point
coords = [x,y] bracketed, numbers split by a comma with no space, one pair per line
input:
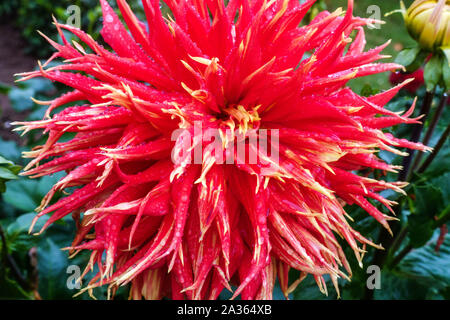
[109,18]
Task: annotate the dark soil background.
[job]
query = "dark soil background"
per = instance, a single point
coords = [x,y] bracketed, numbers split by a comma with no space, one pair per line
[12,61]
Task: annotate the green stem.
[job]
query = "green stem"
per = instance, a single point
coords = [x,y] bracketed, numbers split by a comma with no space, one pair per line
[445,215]
[443,218]
[398,241]
[12,263]
[400,256]
[416,133]
[436,150]
[384,237]
[437,115]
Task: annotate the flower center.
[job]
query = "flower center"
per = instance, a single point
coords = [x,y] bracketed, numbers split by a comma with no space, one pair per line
[238,117]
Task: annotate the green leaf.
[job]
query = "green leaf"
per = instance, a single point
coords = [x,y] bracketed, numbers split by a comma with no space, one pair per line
[441,163]
[443,183]
[21,242]
[421,230]
[429,200]
[433,72]
[37,114]
[427,266]
[446,72]
[397,287]
[47,182]
[10,288]
[10,166]
[408,56]
[52,266]
[40,85]
[7,174]
[308,290]
[4,88]
[23,223]
[26,194]
[9,150]
[368,90]
[21,99]
[8,171]
[15,169]
[446,51]
[22,195]
[5,161]
[428,204]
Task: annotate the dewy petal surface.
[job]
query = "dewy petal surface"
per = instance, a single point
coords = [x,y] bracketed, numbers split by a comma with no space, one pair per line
[246,70]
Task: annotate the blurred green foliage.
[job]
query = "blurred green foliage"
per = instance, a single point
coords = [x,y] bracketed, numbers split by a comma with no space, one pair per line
[393,29]
[30,16]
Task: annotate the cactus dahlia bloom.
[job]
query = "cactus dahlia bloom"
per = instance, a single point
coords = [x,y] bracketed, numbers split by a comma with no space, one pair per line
[183,229]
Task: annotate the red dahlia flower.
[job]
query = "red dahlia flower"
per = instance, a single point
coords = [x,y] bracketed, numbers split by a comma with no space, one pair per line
[417,79]
[180,227]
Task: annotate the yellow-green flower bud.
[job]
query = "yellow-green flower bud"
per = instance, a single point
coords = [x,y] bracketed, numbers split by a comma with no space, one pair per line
[428,21]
